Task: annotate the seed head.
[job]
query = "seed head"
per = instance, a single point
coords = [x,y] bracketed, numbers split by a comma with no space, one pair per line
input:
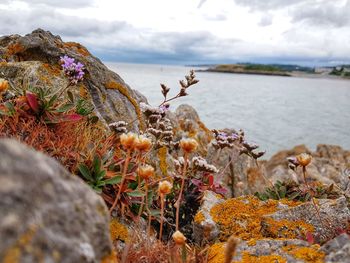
[179,238]
[143,144]
[145,171]
[128,140]
[165,187]
[304,159]
[188,145]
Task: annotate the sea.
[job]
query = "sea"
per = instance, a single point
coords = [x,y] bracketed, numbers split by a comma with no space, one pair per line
[275,112]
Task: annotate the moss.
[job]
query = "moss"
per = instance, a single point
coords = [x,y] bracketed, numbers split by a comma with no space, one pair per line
[123,90]
[216,253]
[286,228]
[79,48]
[118,231]
[249,258]
[162,153]
[199,217]
[242,217]
[307,254]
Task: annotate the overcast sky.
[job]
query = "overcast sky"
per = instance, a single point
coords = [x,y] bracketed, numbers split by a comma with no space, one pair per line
[192,31]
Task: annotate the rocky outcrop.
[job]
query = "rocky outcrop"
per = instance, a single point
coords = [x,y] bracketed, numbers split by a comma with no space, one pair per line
[330,164]
[33,60]
[47,214]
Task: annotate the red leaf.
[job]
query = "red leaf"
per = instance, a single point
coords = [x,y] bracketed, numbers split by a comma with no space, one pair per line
[72,117]
[310,238]
[32,100]
[211,180]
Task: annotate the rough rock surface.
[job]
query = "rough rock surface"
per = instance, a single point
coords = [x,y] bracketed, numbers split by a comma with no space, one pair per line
[337,249]
[47,214]
[33,59]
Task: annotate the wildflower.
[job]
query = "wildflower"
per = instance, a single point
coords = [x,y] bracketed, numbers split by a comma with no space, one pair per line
[179,238]
[304,159]
[164,187]
[128,140]
[4,85]
[188,145]
[143,144]
[74,71]
[145,171]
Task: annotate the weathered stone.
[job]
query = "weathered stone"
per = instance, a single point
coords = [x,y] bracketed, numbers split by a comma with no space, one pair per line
[337,249]
[47,214]
[326,216]
[33,59]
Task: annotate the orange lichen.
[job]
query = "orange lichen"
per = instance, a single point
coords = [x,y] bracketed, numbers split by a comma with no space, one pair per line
[287,228]
[163,166]
[216,253]
[199,217]
[307,254]
[111,258]
[249,258]
[78,47]
[118,231]
[242,217]
[251,242]
[123,90]
[14,49]
[53,70]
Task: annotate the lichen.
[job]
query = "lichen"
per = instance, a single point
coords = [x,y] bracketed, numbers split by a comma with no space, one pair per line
[14,49]
[286,228]
[163,166]
[78,47]
[118,231]
[111,258]
[123,90]
[216,253]
[307,254]
[199,217]
[242,217]
[249,258]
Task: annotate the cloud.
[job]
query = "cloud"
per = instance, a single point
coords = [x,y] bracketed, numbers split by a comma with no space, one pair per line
[257,5]
[266,20]
[324,14]
[55,3]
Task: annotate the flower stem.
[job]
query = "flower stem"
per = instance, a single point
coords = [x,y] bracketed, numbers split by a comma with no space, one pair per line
[161,216]
[125,169]
[178,202]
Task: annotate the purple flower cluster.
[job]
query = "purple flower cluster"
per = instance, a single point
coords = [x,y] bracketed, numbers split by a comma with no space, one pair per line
[73,70]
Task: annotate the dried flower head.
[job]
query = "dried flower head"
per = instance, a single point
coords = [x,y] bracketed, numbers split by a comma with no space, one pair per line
[201,164]
[73,70]
[128,140]
[188,145]
[179,238]
[145,171]
[164,187]
[143,144]
[4,85]
[118,127]
[304,159]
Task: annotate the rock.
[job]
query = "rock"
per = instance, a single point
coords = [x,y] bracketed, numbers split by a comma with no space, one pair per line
[47,214]
[337,249]
[269,250]
[329,217]
[33,59]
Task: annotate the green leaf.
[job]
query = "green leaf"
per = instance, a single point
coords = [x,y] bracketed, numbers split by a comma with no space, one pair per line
[98,190]
[154,212]
[100,175]
[65,107]
[136,193]
[113,180]
[51,101]
[184,253]
[96,164]
[70,96]
[283,191]
[293,196]
[85,172]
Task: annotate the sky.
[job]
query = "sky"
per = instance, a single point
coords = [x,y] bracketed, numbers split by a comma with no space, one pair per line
[305,32]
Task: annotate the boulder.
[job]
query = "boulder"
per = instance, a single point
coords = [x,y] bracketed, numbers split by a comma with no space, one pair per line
[47,214]
[33,60]
[337,249]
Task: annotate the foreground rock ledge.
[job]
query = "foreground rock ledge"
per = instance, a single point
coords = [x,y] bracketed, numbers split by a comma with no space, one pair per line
[47,214]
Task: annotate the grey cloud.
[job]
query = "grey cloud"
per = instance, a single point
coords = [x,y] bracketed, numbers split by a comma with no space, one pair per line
[266,20]
[268,4]
[324,14]
[56,3]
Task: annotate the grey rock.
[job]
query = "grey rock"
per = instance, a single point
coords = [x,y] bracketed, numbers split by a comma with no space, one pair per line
[47,214]
[33,59]
[337,249]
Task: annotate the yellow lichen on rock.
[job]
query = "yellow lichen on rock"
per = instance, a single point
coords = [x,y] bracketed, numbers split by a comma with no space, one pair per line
[118,231]
[249,258]
[286,228]
[123,90]
[199,217]
[216,253]
[111,258]
[307,254]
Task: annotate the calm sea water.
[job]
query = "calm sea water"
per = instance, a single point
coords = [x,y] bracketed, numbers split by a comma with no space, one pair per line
[275,112]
